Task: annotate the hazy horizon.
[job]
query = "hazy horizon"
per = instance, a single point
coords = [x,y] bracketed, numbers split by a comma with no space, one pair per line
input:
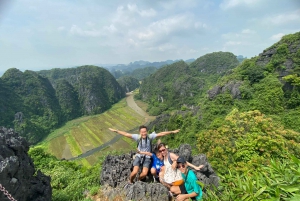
[42,34]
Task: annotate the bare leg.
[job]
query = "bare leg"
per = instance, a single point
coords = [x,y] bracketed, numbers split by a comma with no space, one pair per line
[134,173]
[144,173]
[175,190]
[153,172]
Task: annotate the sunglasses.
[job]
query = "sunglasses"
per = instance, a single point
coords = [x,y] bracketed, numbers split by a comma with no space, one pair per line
[162,150]
[180,166]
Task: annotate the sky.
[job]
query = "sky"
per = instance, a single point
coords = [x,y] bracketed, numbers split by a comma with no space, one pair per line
[46,34]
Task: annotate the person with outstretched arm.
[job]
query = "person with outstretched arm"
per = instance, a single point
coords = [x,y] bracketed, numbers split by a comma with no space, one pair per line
[158,163]
[190,189]
[144,145]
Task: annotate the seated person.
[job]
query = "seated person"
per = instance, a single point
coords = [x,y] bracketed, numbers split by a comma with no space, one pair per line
[170,172]
[190,188]
[157,163]
[144,144]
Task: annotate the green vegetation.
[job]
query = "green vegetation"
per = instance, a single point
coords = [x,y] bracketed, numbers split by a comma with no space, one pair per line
[142,73]
[83,134]
[250,131]
[253,142]
[128,83]
[36,102]
[181,85]
[68,179]
[45,100]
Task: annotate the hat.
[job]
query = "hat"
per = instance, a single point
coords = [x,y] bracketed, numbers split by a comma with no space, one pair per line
[180,159]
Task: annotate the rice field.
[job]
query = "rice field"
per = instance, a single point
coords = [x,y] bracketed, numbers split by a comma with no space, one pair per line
[86,133]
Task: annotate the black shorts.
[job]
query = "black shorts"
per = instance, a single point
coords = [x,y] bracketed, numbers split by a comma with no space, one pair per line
[182,189]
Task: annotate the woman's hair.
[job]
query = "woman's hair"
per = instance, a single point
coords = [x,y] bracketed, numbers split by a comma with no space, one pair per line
[161,145]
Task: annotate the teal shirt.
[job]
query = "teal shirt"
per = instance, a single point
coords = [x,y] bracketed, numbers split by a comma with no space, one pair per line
[191,185]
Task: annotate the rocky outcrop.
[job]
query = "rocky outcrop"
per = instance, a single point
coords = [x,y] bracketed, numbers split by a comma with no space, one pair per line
[116,170]
[232,87]
[17,172]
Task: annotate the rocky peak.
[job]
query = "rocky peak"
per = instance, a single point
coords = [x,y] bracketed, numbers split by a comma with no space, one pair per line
[17,172]
[116,170]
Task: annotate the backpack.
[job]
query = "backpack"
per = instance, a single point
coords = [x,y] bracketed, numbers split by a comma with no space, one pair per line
[143,157]
[140,141]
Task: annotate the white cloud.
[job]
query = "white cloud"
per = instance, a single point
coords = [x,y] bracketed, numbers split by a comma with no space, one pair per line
[90,23]
[76,30]
[248,31]
[144,13]
[61,28]
[167,47]
[229,36]
[111,28]
[277,37]
[233,43]
[228,4]
[146,35]
[121,31]
[284,18]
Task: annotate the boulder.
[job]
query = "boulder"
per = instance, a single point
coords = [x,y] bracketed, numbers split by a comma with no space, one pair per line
[17,173]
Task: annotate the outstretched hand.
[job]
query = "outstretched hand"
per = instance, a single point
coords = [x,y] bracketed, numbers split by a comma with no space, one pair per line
[113,130]
[199,167]
[176,131]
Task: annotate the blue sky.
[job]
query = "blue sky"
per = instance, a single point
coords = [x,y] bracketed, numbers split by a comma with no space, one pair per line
[44,34]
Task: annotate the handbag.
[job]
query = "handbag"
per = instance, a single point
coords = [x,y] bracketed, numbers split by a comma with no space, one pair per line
[178,180]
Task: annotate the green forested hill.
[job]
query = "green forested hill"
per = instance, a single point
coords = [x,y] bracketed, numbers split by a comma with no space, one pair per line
[128,83]
[268,83]
[34,103]
[181,85]
[245,119]
[248,125]
[142,73]
[97,89]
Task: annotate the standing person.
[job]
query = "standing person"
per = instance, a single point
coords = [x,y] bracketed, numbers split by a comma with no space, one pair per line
[190,188]
[170,175]
[144,144]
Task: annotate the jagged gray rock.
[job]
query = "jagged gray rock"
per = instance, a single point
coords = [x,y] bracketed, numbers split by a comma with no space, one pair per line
[116,170]
[17,170]
[232,87]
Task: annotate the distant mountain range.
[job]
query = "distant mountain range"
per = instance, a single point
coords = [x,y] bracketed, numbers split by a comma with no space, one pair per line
[139,64]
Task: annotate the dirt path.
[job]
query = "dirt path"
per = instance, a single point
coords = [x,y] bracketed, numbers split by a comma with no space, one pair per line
[132,104]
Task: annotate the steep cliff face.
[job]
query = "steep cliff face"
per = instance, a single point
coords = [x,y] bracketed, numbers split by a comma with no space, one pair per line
[17,172]
[34,103]
[96,88]
[128,83]
[35,99]
[180,84]
[68,99]
[281,59]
